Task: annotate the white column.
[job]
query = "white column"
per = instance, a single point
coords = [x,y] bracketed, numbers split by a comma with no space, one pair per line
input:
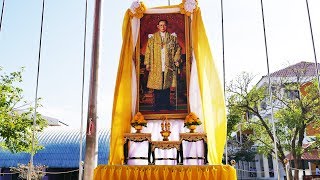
[245,168]
[265,166]
[274,161]
[258,167]
[310,169]
[249,169]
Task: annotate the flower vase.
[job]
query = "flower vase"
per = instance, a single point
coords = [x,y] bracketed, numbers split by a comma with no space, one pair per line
[192,128]
[138,128]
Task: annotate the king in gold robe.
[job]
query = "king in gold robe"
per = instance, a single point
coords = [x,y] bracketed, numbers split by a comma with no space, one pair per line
[161,77]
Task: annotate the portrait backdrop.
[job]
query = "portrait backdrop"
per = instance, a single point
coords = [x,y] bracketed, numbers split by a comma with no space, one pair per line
[178,90]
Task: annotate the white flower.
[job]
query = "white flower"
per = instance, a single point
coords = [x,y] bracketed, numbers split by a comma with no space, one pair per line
[174,34]
[190,5]
[150,36]
[134,5]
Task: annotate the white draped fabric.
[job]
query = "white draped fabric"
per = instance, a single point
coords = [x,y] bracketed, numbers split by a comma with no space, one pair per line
[135,25]
[190,149]
[134,89]
[194,91]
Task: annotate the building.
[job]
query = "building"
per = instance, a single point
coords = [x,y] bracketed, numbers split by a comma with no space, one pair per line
[60,154]
[303,72]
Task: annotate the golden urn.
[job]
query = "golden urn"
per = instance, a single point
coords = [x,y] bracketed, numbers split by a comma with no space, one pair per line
[165,128]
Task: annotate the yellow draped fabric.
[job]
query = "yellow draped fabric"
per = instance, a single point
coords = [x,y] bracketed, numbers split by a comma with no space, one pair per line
[213,109]
[168,172]
[121,114]
[211,91]
[212,97]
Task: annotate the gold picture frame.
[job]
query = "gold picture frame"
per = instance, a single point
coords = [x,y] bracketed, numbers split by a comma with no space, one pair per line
[180,25]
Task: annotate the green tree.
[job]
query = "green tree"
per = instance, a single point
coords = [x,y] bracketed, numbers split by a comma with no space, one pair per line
[16,116]
[296,105]
[237,117]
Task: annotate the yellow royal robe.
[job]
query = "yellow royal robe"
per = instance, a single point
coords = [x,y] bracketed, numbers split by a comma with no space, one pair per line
[153,59]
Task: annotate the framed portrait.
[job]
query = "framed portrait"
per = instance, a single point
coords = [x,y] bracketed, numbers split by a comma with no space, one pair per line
[163,65]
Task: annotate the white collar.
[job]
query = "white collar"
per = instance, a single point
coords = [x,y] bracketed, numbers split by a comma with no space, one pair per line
[162,34]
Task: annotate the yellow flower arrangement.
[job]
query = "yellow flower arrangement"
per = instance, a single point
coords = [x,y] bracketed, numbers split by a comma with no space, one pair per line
[137,9]
[192,119]
[138,119]
[188,7]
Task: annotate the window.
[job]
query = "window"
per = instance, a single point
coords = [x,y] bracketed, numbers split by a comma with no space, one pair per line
[292,94]
[263,104]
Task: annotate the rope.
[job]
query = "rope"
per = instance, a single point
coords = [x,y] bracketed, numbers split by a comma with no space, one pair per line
[243,170]
[294,168]
[302,169]
[62,172]
[253,174]
[314,48]
[37,85]
[270,90]
[8,173]
[224,72]
[45,172]
[82,88]
[2,9]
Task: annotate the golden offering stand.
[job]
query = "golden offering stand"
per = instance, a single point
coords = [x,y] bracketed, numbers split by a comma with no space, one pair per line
[165,128]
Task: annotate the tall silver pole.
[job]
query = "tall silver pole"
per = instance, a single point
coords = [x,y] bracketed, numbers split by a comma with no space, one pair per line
[30,164]
[224,72]
[82,89]
[91,156]
[1,16]
[270,95]
[314,47]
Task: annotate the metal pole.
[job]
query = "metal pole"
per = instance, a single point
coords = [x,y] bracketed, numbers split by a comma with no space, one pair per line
[287,171]
[91,156]
[82,90]
[270,94]
[224,72]
[314,48]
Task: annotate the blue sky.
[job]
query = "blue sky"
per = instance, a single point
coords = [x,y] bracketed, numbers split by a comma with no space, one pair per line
[287,29]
